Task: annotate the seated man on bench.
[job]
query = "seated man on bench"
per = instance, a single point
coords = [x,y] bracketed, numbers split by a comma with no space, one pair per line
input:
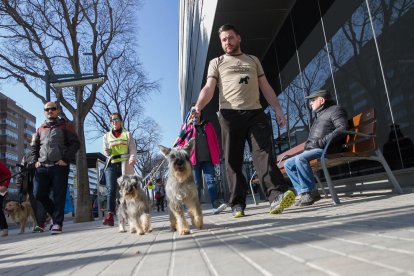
[330,120]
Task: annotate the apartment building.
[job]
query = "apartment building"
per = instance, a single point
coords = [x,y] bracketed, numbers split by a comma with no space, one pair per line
[16,129]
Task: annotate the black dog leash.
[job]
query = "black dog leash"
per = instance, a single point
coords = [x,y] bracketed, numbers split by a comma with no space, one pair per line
[108,161]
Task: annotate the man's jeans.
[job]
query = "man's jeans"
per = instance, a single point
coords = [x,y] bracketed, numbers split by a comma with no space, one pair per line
[300,172]
[112,173]
[207,168]
[55,179]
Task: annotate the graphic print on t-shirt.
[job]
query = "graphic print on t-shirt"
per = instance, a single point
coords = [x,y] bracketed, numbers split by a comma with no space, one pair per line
[244,80]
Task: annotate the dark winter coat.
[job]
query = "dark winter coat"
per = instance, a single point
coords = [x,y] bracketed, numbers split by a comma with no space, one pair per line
[55,141]
[330,120]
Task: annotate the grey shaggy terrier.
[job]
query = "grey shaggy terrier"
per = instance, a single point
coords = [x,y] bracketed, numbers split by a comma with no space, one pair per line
[181,189]
[133,206]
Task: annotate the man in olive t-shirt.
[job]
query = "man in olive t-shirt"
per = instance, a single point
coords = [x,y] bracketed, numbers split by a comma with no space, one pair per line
[239,77]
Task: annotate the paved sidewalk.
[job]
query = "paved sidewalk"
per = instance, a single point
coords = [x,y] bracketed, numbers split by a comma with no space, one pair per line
[371,235]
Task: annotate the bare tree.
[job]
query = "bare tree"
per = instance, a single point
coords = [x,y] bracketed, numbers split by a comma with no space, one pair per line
[126,92]
[53,35]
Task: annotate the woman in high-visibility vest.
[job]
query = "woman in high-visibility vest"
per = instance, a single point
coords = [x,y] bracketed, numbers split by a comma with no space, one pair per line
[119,146]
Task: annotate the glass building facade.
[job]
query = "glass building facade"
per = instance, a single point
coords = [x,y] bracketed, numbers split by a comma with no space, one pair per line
[362,51]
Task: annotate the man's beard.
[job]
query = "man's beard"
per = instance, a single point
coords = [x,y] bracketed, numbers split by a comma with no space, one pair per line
[51,119]
[234,51]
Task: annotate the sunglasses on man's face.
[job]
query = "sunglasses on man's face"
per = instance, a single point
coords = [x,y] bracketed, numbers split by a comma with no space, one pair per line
[115,120]
[47,109]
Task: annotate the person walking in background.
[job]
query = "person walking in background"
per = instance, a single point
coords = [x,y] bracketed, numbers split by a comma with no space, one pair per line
[24,181]
[54,146]
[239,77]
[330,121]
[159,194]
[119,146]
[205,155]
[5,175]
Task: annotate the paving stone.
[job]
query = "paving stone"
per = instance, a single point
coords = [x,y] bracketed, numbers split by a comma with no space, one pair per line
[365,235]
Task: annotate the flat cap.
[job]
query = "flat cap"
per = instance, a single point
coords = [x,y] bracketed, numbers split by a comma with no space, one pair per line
[320,93]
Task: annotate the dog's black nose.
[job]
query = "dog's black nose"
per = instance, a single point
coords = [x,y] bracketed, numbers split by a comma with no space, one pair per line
[179,162]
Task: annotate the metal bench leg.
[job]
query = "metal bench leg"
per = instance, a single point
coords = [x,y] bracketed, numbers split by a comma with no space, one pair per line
[263,193]
[251,189]
[334,196]
[318,180]
[391,176]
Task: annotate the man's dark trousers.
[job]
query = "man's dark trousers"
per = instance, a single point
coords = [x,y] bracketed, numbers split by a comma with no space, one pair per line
[55,179]
[237,126]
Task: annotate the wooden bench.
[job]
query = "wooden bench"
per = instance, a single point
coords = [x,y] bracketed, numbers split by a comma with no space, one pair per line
[360,144]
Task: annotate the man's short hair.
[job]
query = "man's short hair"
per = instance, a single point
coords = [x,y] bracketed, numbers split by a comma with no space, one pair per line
[227,27]
[56,104]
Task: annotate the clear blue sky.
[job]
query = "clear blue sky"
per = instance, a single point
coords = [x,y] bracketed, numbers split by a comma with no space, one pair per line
[158,50]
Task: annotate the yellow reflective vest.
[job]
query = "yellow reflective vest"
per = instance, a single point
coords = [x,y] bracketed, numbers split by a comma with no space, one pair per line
[118,145]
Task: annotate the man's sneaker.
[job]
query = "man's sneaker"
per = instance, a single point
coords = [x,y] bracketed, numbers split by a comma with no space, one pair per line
[39,228]
[56,229]
[281,202]
[238,212]
[4,232]
[109,220]
[219,209]
[309,198]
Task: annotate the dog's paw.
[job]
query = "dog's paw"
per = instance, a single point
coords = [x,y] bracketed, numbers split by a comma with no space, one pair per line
[185,232]
[198,224]
[121,227]
[147,229]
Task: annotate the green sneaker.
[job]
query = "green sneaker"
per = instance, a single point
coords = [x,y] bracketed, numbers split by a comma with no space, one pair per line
[281,202]
[238,212]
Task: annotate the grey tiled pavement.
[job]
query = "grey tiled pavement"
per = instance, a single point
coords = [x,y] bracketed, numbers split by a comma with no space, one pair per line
[365,235]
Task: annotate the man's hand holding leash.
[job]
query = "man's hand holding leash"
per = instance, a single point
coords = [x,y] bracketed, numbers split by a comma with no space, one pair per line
[280,119]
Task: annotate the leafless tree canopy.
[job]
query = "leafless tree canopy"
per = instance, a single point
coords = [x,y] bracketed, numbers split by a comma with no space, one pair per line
[54,35]
[126,92]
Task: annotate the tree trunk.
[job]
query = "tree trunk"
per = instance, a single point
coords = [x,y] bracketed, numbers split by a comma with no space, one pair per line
[83,202]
